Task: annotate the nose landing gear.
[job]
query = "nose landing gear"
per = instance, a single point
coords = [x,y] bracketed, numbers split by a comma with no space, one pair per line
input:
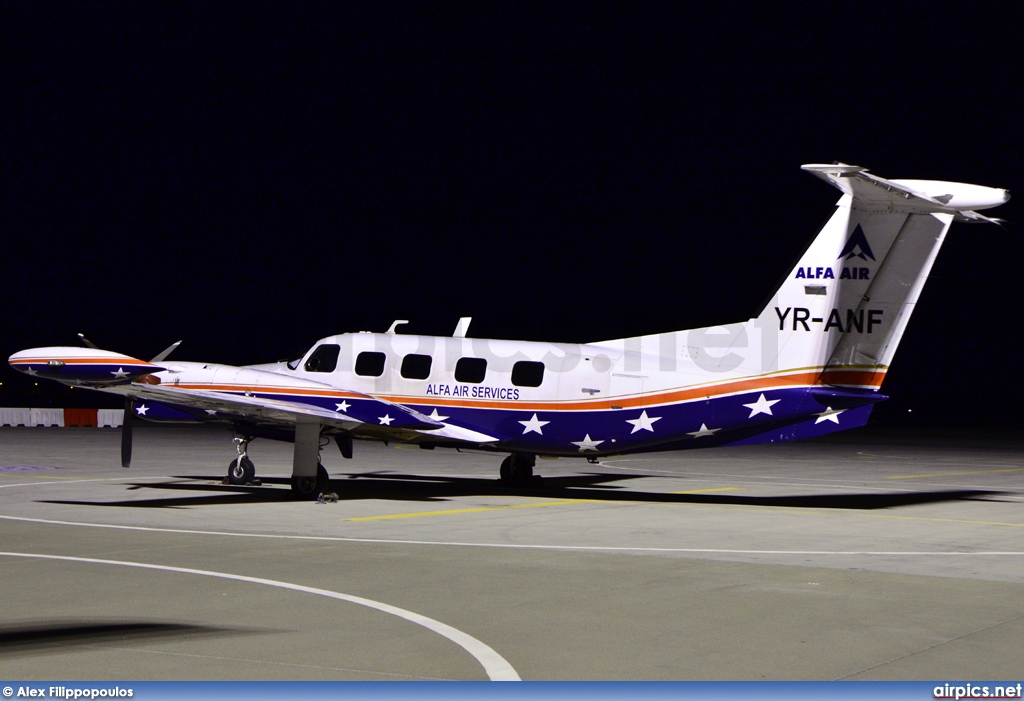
[241,470]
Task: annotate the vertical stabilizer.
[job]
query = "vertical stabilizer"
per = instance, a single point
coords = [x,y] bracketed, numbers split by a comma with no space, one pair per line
[844,306]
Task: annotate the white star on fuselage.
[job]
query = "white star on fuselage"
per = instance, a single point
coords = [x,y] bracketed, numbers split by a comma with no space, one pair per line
[31,371]
[534,425]
[386,419]
[437,417]
[119,373]
[141,409]
[761,406]
[343,406]
[211,412]
[704,431]
[829,414]
[586,444]
[643,422]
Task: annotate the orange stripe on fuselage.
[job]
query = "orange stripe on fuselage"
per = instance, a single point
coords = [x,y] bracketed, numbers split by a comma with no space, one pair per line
[867,378]
[82,361]
[857,378]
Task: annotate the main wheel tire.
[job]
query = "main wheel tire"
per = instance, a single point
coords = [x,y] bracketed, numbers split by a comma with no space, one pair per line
[516,471]
[241,471]
[308,487]
[523,471]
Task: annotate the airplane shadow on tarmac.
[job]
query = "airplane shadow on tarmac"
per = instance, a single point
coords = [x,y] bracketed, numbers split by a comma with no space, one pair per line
[59,636]
[420,488]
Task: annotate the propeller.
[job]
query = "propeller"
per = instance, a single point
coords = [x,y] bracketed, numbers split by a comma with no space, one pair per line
[126,433]
[162,355]
[129,406]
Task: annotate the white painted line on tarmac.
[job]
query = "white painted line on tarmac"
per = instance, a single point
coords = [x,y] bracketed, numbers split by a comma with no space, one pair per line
[496,666]
[524,546]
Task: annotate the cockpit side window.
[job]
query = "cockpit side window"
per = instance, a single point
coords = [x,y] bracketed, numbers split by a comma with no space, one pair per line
[324,358]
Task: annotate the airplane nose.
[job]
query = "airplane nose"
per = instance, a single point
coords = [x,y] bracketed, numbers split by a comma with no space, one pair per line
[17,361]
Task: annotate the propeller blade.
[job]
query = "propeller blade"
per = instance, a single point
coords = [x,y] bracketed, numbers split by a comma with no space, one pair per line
[166,352]
[126,434]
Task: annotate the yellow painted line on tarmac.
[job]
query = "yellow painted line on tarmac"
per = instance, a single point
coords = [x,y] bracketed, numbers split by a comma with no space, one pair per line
[32,480]
[474,510]
[950,474]
[481,509]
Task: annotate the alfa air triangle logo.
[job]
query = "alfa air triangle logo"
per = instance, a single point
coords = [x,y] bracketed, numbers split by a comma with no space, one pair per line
[857,246]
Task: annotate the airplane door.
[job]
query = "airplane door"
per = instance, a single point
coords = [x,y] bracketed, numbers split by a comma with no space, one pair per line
[588,378]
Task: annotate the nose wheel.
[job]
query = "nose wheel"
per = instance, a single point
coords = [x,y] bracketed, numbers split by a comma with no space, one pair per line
[241,470]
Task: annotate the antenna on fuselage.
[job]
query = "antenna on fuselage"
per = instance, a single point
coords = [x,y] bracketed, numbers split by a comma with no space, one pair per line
[396,324]
[463,327]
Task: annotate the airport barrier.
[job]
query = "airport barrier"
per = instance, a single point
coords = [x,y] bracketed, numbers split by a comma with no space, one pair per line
[80,418]
[109,417]
[15,417]
[25,416]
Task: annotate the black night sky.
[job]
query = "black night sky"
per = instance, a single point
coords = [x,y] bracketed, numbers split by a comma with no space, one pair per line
[251,177]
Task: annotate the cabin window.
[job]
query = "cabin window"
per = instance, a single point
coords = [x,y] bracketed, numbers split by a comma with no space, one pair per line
[370,364]
[324,358]
[470,370]
[416,367]
[527,373]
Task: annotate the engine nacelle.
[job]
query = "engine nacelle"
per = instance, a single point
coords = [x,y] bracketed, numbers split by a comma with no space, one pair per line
[80,366]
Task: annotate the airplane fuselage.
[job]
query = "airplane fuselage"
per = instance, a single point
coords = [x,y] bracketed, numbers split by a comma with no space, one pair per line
[551,398]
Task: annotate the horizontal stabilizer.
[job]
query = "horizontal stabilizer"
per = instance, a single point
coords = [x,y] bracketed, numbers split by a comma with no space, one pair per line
[911,196]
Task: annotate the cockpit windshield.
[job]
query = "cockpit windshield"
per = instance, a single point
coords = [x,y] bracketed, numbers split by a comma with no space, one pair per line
[293,361]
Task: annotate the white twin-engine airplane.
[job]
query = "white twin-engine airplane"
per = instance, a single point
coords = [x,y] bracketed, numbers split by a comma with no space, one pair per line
[810,363]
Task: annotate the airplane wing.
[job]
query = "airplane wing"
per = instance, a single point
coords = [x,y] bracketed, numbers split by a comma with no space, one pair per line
[355,412]
[240,395]
[362,415]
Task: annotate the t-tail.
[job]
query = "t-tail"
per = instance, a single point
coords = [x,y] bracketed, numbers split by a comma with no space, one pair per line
[843,309]
[823,344]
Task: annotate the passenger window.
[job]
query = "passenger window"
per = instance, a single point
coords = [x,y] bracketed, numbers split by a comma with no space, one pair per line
[527,373]
[416,367]
[370,364]
[324,358]
[470,370]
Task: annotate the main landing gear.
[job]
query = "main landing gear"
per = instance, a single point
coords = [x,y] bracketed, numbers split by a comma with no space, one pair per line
[309,478]
[308,487]
[517,471]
